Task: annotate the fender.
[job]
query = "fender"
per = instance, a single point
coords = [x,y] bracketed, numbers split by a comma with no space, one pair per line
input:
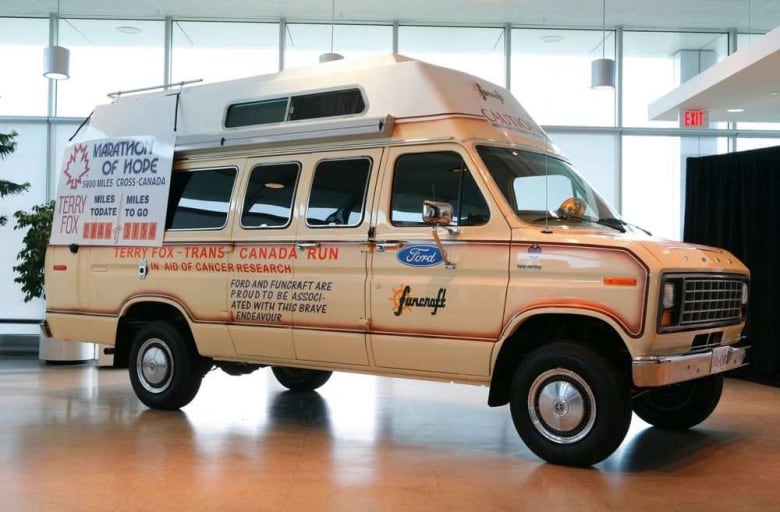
[515,323]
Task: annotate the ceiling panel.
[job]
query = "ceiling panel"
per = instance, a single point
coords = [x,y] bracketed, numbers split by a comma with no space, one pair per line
[756,15]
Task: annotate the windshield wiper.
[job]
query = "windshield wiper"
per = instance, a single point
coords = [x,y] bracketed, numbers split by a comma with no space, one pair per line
[620,225]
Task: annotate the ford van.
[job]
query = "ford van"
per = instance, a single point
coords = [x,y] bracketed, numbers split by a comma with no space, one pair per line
[387,217]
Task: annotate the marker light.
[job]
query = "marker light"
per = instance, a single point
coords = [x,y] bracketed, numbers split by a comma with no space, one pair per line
[669,290]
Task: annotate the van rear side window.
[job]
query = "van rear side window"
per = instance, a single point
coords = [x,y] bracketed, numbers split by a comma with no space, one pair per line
[338,192]
[200,199]
[269,195]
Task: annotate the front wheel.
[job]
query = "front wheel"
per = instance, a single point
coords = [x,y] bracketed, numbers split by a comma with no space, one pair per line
[569,404]
[165,371]
[300,379]
[680,406]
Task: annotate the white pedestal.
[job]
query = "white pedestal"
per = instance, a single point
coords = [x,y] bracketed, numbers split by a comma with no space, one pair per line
[52,349]
[104,355]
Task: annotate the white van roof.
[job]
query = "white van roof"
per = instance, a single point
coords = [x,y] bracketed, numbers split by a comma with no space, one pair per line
[392,87]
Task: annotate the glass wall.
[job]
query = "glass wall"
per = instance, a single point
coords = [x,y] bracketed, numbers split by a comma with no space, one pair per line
[23,90]
[26,164]
[653,179]
[748,143]
[479,51]
[551,72]
[654,63]
[306,42]
[108,56]
[215,51]
[595,158]
[637,165]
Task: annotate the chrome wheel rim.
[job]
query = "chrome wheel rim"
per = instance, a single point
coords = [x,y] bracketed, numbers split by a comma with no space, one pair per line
[154,365]
[561,406]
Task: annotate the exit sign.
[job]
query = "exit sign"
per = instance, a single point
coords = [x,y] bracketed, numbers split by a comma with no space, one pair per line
[693,119]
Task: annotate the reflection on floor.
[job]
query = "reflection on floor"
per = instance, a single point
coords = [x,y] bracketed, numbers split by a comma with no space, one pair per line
[76,439]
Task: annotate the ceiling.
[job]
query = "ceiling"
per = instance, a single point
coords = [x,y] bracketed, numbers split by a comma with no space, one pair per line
[743,15]
[743,87]
[747,79]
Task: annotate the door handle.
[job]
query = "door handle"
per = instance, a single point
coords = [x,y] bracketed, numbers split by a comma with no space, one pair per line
[305,245]
[383,246]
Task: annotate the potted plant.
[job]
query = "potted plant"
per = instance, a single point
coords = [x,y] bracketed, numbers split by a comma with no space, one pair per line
[31,258]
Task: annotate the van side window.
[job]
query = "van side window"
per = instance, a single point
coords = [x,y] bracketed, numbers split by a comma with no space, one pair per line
[199,199]
[326,104]
[338,192]
[440,176]
[295,108]
[269,195]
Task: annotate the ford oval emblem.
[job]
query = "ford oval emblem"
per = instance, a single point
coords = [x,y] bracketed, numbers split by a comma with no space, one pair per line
[420,256]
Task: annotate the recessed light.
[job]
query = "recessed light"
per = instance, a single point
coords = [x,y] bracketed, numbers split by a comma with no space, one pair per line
[735,110]
[552,38]
[128,29]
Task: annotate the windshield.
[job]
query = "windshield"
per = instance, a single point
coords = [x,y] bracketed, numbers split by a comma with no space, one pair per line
[541,187]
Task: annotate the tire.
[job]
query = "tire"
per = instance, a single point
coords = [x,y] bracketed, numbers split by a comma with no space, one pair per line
[165,370]
[300,379]
[569,404]
[680,406]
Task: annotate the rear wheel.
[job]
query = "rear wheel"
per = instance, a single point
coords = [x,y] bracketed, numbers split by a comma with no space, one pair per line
[680,406]
[300,379]
[569,404]
[165,370]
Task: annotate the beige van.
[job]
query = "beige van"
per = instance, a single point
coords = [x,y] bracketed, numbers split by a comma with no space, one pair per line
[387,217]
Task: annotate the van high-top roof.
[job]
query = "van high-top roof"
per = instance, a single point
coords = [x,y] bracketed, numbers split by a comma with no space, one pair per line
[344,98]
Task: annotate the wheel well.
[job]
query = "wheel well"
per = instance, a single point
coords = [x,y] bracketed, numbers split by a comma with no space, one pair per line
[140,314]
[542,329]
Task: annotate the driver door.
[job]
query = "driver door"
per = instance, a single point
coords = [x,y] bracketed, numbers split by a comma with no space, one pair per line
[436,307]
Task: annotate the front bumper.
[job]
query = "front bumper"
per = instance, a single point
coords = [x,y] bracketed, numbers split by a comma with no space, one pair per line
[662,370]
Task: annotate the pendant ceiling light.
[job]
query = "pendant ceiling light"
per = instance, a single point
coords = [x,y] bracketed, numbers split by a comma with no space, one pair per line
[602,71]
[331,55]
[56,59]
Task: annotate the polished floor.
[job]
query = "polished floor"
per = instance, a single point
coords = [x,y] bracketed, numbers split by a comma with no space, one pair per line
[75,438]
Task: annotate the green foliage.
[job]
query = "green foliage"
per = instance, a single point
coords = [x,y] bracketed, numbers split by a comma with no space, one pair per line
[31,257]
[7,144]
[7,188]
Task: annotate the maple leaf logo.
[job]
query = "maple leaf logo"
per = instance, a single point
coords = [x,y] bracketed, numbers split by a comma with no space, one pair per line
[76,166]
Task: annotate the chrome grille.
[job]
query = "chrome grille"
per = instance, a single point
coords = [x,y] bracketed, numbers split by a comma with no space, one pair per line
[709,300]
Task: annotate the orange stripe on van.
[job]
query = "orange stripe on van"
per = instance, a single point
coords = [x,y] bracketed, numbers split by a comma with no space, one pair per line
[619,281]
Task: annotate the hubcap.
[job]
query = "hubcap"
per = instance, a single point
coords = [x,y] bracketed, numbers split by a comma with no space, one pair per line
[154,365]
[561,406]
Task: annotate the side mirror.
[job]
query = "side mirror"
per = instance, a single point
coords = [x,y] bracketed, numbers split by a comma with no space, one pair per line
[437,213]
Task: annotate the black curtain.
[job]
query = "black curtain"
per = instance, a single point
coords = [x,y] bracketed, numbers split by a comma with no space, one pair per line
[730,202]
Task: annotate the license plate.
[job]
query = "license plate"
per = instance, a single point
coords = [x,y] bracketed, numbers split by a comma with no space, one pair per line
[721,359]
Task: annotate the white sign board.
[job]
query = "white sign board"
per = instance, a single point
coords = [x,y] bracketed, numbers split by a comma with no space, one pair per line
[113,192]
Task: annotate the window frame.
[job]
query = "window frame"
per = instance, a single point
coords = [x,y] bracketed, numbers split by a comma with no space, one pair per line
[226,223]
[457,208]
[290,99]
[365,193]
[292,200]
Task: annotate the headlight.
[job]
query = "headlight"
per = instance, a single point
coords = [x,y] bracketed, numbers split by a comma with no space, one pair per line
[745,294]
[669,290]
